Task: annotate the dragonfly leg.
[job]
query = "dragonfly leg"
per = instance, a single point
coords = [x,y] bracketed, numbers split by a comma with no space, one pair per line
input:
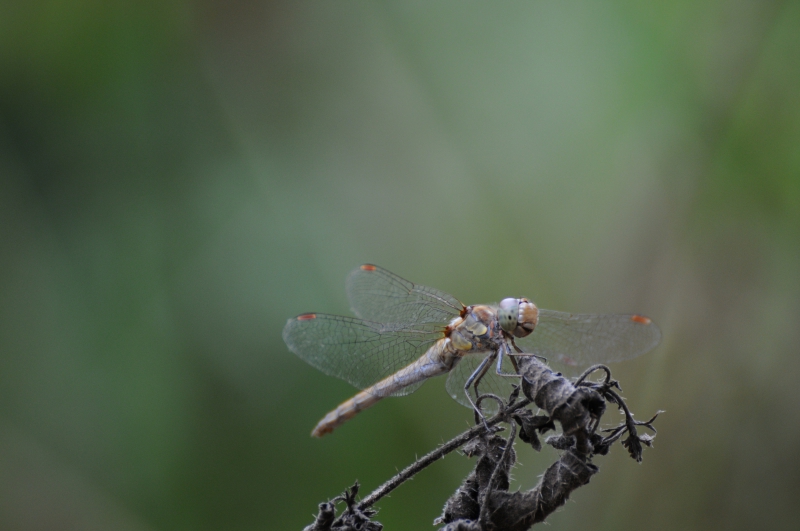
[521,353]
[500,362]
[515,345]
[475,378]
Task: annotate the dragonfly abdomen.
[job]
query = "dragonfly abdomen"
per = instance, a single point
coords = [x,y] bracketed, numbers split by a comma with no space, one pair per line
[437,360]
[344,412]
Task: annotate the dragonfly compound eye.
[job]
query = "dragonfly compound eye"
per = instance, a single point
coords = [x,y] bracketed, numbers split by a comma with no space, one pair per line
[527,319]
[507,314]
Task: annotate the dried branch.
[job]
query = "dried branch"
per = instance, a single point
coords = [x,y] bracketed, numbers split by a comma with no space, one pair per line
[353,518]
[483,502]
[428,459]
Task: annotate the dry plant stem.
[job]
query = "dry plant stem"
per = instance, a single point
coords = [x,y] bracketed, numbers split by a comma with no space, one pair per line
[455,443]
[483,516]
[592,369]
[483,501]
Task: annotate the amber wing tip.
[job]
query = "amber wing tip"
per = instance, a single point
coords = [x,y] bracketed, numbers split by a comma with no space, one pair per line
[368,267]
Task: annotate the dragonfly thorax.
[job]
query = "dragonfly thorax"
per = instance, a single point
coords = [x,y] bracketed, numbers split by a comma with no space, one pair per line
[476,331]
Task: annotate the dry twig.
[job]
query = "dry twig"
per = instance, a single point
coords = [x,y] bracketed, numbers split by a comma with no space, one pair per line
[483,502]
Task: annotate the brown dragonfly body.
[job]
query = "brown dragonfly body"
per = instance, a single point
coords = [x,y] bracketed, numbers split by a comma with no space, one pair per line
[475,333]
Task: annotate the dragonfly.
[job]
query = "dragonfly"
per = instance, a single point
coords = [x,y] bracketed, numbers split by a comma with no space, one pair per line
[405,333]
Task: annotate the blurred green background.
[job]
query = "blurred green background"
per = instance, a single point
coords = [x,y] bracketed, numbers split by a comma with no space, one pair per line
[178,178]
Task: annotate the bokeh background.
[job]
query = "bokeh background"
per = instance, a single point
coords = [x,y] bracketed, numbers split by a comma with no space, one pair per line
[178,178]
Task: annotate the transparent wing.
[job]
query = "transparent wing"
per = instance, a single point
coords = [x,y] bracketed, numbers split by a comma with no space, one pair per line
[584,339]
[490,383]
[359,352]
[381,296]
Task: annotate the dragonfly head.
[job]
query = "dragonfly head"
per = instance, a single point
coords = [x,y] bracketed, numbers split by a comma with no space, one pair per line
[517,316]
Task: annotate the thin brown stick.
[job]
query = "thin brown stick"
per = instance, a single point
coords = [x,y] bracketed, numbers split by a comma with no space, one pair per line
[483,516]
[424,461]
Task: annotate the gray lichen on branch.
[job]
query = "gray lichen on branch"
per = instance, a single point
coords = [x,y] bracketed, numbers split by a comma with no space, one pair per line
[483,502]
